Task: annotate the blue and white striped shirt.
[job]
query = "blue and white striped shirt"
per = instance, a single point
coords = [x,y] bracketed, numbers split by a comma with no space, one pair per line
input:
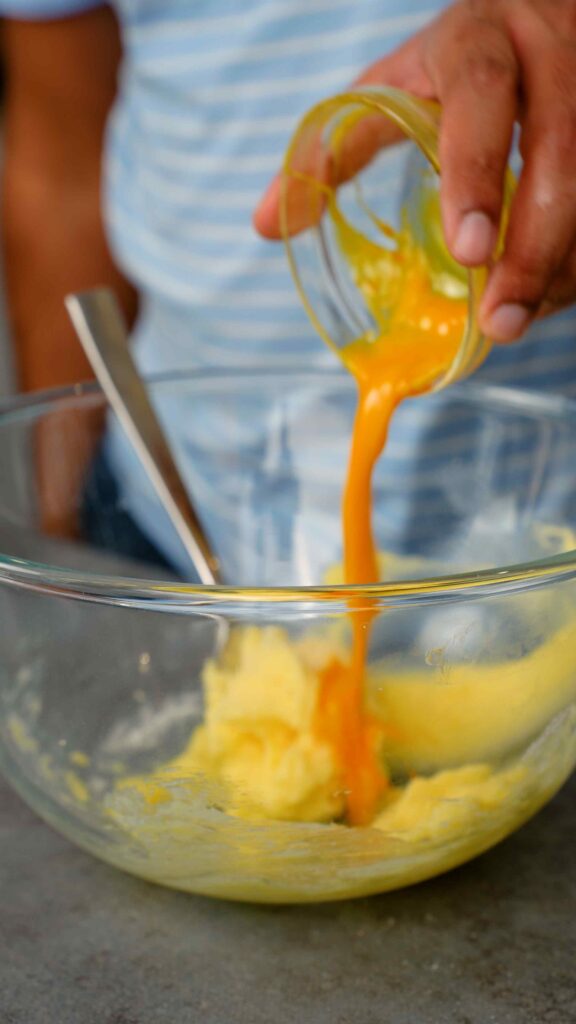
[210,93]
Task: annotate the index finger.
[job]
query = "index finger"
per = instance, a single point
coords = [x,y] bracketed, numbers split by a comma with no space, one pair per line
[542,227]
[476,72]
[314,164]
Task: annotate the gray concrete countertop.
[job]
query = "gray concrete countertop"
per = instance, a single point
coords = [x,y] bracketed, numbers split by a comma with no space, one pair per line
[494,941]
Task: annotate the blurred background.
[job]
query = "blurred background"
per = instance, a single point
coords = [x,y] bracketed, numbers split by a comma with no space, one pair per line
[7,377]
[7,386]
[7,380]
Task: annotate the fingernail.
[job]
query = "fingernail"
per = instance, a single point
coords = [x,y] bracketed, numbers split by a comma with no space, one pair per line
[475,240]
[508,322]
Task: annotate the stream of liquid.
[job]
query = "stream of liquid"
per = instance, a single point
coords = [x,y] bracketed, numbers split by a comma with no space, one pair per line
[419,333]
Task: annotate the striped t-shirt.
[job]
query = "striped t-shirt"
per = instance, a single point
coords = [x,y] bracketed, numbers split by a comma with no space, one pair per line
[210,92]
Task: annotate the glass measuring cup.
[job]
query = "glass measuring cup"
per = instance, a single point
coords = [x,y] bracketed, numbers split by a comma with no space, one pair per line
[362,173]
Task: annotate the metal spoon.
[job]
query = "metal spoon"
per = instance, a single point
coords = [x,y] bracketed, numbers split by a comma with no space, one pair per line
[102,331]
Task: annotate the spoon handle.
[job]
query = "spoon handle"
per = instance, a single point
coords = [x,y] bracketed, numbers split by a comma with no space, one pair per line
[101,329]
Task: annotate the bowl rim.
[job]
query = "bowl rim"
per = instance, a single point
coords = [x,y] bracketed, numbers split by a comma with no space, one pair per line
[139,592]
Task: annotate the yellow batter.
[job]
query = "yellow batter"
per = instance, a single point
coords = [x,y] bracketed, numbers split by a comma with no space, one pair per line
[259,739]
[253,806]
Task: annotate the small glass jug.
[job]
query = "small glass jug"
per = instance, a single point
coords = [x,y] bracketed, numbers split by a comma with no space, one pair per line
[376,149]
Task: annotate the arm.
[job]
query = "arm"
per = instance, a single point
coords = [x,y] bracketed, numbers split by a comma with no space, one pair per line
[61,80]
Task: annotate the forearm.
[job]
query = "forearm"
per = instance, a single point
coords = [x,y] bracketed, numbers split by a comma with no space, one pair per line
[53,243]
[61,81]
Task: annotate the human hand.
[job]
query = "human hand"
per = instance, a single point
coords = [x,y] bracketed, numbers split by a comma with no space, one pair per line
[491,63]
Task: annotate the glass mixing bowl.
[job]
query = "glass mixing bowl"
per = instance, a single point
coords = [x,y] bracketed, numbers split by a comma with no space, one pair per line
[109,665]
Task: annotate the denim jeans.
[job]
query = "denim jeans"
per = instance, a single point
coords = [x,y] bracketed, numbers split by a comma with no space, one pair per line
[105,524]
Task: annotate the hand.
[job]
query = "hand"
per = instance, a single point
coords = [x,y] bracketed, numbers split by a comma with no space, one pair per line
[491,63]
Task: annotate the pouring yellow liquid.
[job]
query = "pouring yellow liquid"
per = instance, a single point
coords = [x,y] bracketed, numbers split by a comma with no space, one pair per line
[287,745]
[420,315]
[419,333]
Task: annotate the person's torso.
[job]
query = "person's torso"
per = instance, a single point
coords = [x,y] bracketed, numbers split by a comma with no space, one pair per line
[211,91]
